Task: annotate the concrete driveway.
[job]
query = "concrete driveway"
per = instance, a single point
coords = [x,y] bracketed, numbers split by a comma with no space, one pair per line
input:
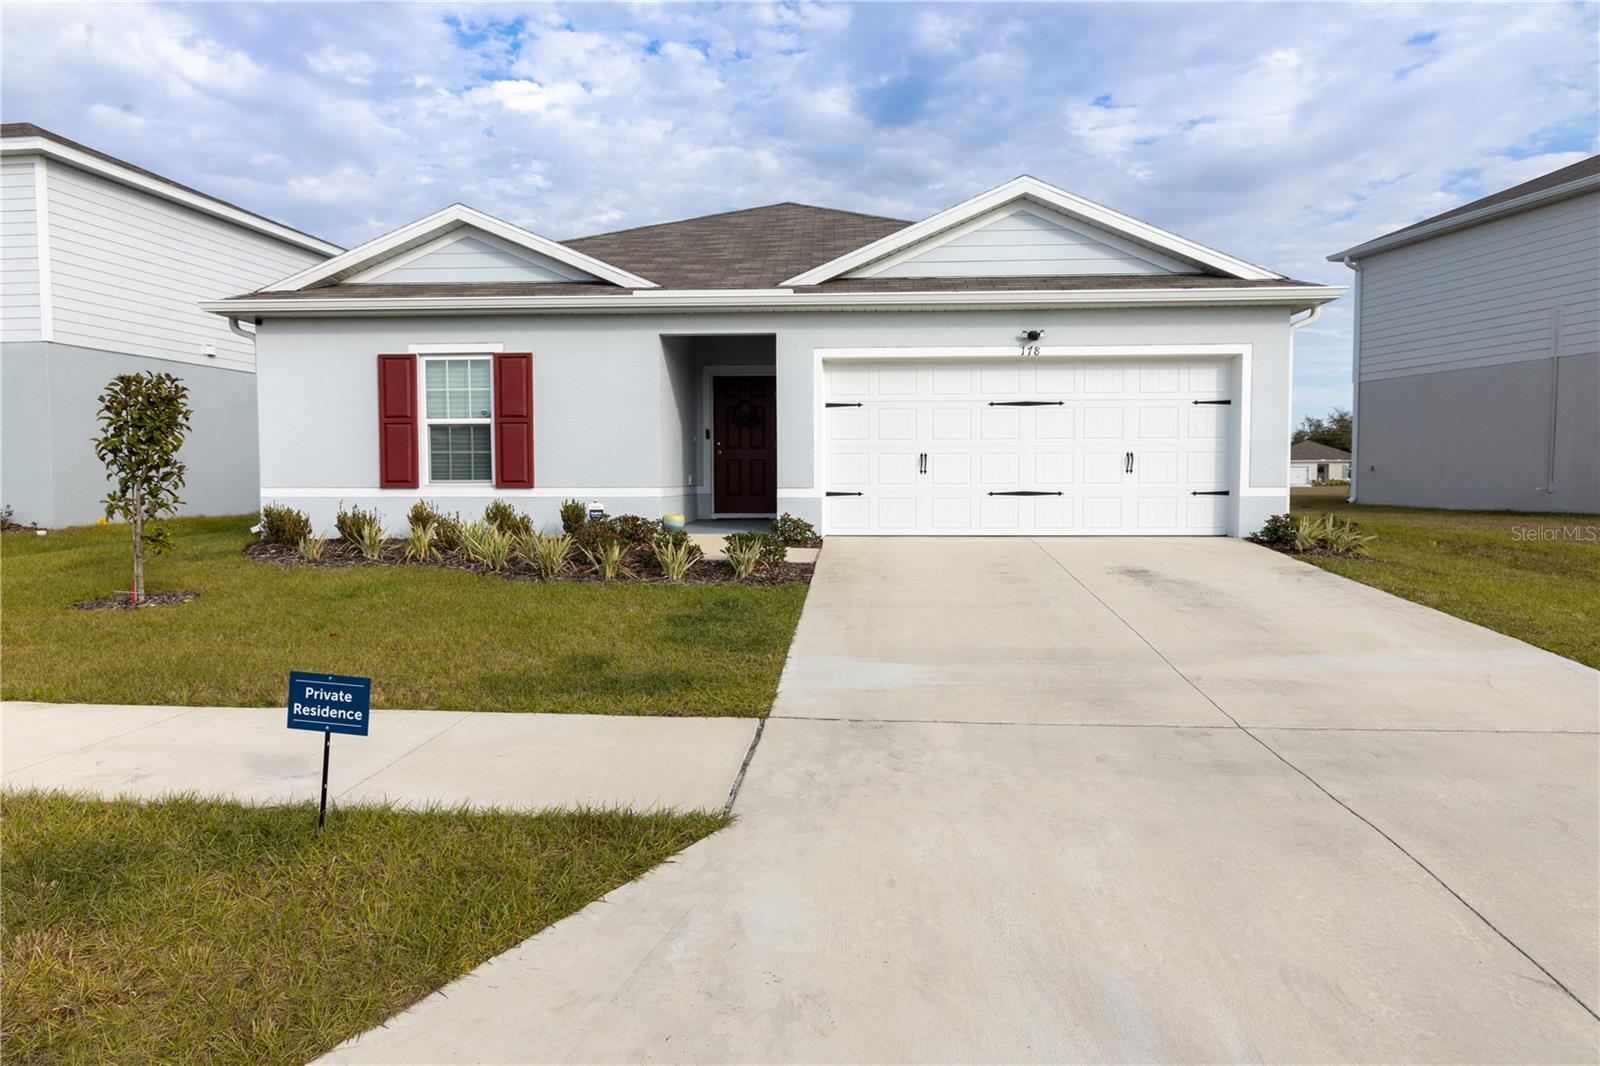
[1101,800]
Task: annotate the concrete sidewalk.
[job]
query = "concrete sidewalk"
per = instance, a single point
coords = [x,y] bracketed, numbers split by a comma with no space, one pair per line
[411,758]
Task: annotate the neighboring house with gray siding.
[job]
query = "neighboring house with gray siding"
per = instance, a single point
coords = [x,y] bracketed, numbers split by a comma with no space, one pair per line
[102,269]
[1027,362]
[1477,352]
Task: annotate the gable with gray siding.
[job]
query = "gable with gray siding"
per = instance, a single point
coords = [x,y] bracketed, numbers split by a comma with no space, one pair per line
[1479,365]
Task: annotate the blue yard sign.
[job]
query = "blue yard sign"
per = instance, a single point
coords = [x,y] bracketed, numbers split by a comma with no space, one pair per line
[329,703]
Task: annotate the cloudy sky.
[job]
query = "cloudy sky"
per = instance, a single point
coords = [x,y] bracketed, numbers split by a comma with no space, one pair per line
[1276,133]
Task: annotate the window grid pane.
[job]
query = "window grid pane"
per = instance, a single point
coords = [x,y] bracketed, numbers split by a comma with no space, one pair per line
[459,453]
[458,388]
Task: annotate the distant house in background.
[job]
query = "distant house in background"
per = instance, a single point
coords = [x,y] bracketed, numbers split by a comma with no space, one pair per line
[104,266]
[1477,352]
[1311,461]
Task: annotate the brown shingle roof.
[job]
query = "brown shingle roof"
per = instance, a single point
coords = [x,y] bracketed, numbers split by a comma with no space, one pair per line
[756,248]
[380,290]
[1315,451]
[28,129]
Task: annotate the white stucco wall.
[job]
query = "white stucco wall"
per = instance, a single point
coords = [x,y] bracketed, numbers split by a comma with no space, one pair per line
[603,396]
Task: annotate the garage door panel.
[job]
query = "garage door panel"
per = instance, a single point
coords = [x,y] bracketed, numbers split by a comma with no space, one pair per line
[952,423]
[849,470]
[897,468]
[940,447]
[1000,514]
[1053,468]
[1053,423]
[1156,468]
[1158,423]
[1001,379]
[1159,378]
[1000,423]
[1000,469]
[1102,423]
[896,423]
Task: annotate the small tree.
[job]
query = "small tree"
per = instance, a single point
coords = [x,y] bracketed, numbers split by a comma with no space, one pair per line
[143,421]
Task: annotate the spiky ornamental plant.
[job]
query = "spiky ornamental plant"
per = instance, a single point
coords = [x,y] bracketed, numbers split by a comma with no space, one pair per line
[144,419]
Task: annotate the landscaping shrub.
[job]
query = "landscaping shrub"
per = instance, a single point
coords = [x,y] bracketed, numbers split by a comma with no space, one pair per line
[609,560]
[419,543]
[549,553]
[284,525]
[482,543]
[769,549]
[634,531]
[1277,532]
[573,516]
[675,555]
[507,519]
[795,532]
[423,513]
[447,533]
[355,524]
[310,548]
[1307,533]
[744,557]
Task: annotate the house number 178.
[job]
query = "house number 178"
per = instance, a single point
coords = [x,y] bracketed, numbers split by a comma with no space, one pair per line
[1030,351]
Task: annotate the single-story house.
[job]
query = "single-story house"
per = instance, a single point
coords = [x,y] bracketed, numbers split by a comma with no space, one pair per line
[1477,352]
[104,267]
[1026,362]
[1311,460]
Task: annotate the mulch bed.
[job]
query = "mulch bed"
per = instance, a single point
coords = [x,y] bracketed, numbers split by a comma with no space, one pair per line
[705,572]
[120,601]
[1324,553]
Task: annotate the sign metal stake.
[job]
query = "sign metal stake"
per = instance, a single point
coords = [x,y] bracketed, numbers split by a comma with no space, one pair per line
[322,811]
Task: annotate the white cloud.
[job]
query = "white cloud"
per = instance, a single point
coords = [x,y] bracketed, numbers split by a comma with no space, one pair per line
[1278,133]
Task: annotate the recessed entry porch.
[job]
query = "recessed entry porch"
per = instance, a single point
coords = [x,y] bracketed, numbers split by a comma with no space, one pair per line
[720,423]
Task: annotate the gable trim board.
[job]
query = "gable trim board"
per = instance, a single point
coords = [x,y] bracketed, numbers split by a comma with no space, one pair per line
[1049,196]
[463,256]
[347,265]
[1023,238]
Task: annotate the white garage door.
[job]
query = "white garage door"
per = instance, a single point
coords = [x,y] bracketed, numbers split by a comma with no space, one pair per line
[1028,446]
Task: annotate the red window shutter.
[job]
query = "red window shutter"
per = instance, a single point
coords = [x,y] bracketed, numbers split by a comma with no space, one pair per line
[513,420]
[397,422]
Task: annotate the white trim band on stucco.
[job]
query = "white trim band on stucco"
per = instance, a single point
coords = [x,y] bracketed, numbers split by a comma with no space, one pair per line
[1298,297]
[471,489]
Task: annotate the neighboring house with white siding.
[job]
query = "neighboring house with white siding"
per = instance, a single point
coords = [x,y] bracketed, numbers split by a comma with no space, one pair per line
[1312,461]
[102,269]
[1477,352]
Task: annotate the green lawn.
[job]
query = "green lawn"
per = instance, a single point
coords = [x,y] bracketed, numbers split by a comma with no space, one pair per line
[1475,565]
[200,931]
[429,638]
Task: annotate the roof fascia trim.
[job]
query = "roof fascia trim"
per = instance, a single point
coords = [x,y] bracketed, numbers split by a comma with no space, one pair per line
[1427,230]
[1301,296]
[54,150]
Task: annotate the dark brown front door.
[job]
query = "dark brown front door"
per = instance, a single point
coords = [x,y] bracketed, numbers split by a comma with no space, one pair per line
[743,433]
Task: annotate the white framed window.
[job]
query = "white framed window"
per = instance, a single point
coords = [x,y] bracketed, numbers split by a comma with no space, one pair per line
[458,418]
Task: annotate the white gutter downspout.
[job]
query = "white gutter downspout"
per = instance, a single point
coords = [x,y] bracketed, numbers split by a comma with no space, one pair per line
[1355,380]
[1295,324]
[233,324]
